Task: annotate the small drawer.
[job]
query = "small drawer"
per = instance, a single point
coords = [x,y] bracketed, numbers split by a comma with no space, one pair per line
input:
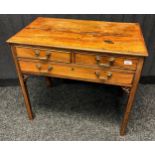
[106,61]
[79,73]
[43,54]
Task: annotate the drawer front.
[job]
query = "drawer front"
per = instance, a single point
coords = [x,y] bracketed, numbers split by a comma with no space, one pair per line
[81,73]
[42,54]
[106,61]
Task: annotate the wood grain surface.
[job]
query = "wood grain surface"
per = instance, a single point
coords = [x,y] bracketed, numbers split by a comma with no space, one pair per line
[98,60]
[74,72]
[37,53]
[113,37]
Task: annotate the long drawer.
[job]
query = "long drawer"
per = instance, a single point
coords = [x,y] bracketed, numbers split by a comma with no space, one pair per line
[43,54]
[115,77]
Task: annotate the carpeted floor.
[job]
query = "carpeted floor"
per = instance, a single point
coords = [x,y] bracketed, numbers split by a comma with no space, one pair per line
[72,110]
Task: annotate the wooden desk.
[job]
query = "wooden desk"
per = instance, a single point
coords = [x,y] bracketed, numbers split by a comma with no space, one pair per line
[103,52]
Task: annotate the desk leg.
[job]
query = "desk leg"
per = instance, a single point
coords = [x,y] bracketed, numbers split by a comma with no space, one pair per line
[26,97]
[131,97]
[23,85]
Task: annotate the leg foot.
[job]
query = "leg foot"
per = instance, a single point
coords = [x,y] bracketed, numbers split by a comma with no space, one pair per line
[48,81]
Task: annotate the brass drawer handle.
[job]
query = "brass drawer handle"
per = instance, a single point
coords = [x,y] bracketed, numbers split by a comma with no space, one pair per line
[110,61]
[49,68]
[47,55]
[108,75]
[98,58]
[38,66]
[37,53]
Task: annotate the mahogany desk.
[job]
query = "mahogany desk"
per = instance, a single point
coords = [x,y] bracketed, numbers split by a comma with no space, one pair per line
[96,51]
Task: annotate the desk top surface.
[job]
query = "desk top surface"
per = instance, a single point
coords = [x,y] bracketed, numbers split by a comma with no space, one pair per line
[97,36]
